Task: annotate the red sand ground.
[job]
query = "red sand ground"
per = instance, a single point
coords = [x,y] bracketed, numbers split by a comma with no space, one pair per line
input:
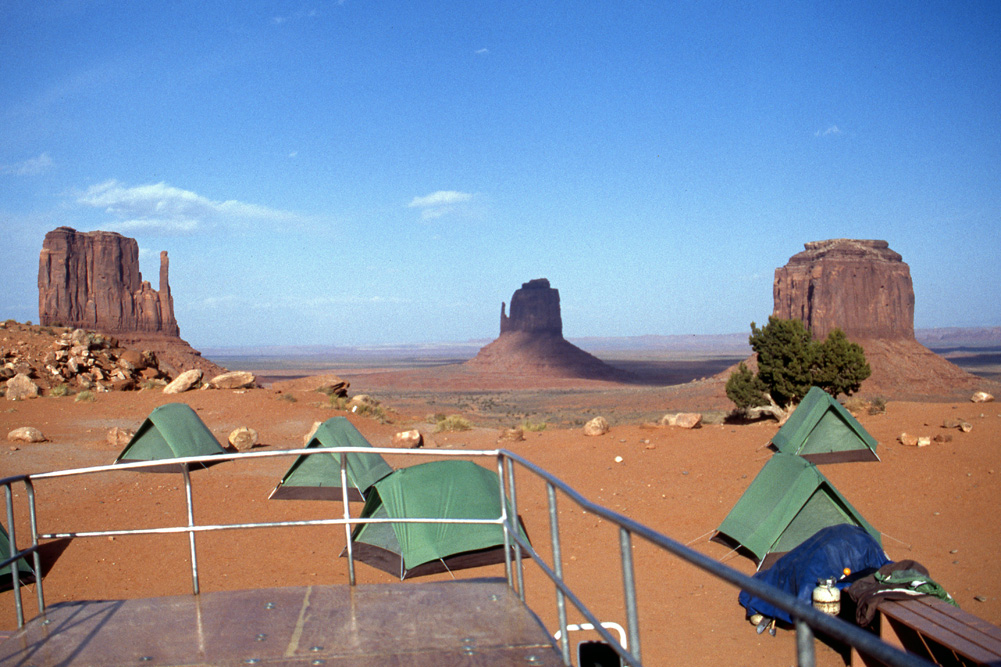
[937,505]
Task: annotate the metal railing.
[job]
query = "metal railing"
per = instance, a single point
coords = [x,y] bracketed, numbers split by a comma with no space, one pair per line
[806,619]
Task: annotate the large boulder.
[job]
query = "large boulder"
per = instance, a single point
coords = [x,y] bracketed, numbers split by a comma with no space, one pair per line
[26,434]
[20,387]
[233,380]
[597,426]
[183,382]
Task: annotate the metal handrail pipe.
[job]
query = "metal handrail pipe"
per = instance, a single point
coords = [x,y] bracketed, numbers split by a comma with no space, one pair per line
[582,608]
[832,626]
[176,530]
[218,458]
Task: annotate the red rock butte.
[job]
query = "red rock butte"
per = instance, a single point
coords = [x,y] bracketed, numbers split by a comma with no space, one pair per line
[865,289]
[861,287]
[91,280]
[531,341]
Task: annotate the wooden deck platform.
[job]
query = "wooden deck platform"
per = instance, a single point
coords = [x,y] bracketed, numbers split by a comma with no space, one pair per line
[467,622]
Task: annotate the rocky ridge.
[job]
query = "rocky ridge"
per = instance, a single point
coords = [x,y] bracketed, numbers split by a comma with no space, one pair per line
[50,358]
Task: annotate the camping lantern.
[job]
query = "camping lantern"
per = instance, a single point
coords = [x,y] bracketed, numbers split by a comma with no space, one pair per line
[827,597]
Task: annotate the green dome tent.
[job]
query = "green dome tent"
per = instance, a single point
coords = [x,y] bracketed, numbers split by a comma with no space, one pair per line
[318,477]
[24,571]
[786,504]
[171,431]
[821,430]
[440,489]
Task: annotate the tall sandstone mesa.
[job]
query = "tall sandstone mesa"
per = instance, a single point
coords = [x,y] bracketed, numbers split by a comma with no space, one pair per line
[91,280]
[531,341]
[861,287]
[865,289]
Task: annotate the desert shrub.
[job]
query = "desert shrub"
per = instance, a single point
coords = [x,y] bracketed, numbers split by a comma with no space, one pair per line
[877,406]
[435,417]
[790,361]
[855,405]
[338,402]
[85,396]
[840,365]
[60,390]
[150,384]
[529,425]
[452,423]
[745,388]
[289,398]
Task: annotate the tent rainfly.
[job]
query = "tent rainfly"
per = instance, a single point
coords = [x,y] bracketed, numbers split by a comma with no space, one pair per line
[318,476]
[448,489]
[786,504]
[821,430]
[24,570]
[171,431]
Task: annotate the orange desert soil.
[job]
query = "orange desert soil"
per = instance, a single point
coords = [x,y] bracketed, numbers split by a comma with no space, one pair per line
[937,505]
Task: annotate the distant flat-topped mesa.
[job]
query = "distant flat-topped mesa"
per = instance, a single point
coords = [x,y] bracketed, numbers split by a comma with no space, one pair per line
[91,280]
[535,308]
[531,341]
[861,287]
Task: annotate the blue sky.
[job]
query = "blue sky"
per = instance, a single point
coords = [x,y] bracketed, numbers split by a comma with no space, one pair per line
[363,172]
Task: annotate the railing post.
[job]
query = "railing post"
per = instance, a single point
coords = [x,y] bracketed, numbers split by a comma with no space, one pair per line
[14,573]
[347,515]
[191,524]
[629,584]
[561,603]
[37,557]
[506,527]
[517,525]
[804,644]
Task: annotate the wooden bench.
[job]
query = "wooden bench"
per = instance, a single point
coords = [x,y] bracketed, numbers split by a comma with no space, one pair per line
[936,631]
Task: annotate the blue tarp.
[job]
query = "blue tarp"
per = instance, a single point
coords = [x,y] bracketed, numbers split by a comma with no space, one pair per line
[824,555]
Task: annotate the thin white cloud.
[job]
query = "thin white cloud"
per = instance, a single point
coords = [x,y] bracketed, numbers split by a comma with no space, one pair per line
[482,52]
[161,206]
[440,203]
[30,167]
[833,129]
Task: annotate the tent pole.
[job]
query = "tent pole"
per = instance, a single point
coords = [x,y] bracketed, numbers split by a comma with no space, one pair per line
[191,523]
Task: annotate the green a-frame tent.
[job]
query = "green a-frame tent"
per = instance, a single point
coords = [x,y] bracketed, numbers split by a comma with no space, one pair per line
[821,430]
[788,501]
[449,489]
[171,431]
[318,476]
[24,571]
